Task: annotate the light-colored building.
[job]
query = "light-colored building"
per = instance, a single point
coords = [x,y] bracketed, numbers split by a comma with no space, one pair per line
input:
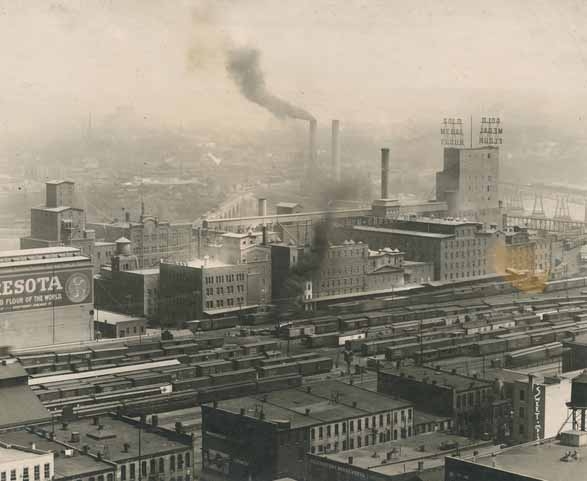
[46,297]
[469,181]
[458,249]
[25,463]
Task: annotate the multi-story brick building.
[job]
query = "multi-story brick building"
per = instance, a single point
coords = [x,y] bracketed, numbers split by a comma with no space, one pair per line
[468,400]
[468,183]
[111,448]
[268,435]
[458,249]
[58,222]
[252,252]
[202,286]
[152,240]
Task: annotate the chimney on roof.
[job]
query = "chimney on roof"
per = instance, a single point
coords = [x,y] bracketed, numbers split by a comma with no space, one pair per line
[335,150]
[385,173]
[75,437]
[307,411]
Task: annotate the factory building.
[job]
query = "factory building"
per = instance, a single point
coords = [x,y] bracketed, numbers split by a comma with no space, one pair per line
[268,435]
[459,250]
[189,290]
[58,222]
[46,297]
[467,400]
[418,458]
[121,286]
[468,183]
[152,240]
[352,268]
[111,448]
[252,252]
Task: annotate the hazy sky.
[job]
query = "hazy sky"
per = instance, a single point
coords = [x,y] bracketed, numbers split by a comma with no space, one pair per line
[378,62]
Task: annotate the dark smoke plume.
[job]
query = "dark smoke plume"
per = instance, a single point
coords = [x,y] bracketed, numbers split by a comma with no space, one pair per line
[245,69]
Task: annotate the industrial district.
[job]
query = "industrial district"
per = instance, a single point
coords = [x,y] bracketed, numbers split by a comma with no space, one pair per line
[441,338]
[320,298]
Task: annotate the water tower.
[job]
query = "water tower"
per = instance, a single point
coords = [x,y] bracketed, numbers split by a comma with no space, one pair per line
[578,404]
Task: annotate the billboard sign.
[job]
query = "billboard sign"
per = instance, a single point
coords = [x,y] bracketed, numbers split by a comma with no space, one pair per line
[538,406]
[451,132]
[36,290]
[491,131]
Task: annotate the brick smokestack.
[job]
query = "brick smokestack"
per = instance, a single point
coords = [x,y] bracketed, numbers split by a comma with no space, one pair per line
[385,173]
[335,150]
[262,207]
[312,146]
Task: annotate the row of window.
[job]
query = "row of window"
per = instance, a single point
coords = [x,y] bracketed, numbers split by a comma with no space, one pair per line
[25,475]
[347,253]
[320,430]
[225,278]
[229,302]
[463,275]
[154,466]
[471,399]
[368,439]
[220,290]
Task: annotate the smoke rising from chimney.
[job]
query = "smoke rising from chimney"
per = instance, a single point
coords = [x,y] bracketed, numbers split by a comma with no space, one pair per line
[244,67]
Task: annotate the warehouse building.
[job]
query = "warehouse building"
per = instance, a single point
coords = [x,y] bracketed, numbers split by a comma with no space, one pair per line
[467,400]
[459,250]
[110,448]
[268,435]
[46,297]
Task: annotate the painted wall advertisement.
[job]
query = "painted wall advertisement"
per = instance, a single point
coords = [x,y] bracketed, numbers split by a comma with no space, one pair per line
[36,290]
[538,408]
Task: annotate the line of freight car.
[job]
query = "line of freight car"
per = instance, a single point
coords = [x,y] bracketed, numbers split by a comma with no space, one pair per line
[444,353]
[370,348]
[534,354]
[106,397]
[565,284]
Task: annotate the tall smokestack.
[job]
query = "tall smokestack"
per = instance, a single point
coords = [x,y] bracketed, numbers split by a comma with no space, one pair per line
[385,173]
[335,150]
[262,207]
[312,145]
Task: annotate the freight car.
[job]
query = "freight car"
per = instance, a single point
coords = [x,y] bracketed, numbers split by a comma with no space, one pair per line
[320,365]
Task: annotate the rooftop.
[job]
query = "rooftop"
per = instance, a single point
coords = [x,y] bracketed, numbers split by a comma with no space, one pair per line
[110,317]
[37,252]
[20,406]
[39,261]
[64,466]
[414,233]
[405,453]
[291,404]
[12,371]
[540,461]
[442,378]
[207,263]
[17,454]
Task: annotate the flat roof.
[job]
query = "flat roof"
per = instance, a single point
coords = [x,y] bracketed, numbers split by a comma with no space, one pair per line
[541,461]
[50,260]
[442,378]
[413,233]
[115,434]
[64,466]
[104,244]
[406,454]
[291,404]
[15,454]
[114,317]
[12,371]
[21,406]
[37,251]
